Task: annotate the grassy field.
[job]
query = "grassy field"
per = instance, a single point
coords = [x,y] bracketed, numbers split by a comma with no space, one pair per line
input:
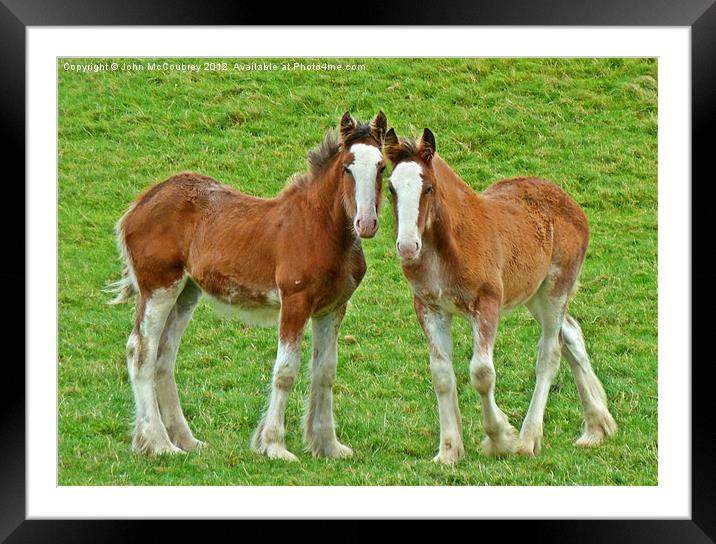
[588,124]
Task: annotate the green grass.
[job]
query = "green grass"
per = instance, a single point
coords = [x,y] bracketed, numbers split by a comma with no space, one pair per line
[588,124]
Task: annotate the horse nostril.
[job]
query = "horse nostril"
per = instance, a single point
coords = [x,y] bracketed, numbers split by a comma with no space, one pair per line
[375,224]
[402,248]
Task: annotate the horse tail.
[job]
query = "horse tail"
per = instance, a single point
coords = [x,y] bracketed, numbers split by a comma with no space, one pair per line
[126,288]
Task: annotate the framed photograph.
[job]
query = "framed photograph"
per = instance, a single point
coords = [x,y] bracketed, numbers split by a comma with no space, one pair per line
[355,188]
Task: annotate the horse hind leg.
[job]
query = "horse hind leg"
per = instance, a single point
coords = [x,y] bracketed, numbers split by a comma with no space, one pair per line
[598,421]
[548,310]
[150,435]
[166,387]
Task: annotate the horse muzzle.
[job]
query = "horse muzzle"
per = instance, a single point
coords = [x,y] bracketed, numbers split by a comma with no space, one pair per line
[408,250]
[366,227]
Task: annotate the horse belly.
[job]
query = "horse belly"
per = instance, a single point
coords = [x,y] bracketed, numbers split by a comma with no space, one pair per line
[264,314]
[521,284]
[252,305]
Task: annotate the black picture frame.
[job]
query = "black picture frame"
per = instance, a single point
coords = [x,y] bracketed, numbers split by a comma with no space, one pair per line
[16,15]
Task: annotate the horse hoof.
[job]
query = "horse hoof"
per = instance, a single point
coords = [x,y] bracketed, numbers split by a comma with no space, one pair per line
[507,442]
[191,444]
[146,442]
[159,449]
[451,451]
[334,451]
[599,428]
[530,446]
[444,458]
[341,451]
[278,452]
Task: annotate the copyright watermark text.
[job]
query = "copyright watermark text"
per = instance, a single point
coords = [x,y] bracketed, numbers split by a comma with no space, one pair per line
[209,66]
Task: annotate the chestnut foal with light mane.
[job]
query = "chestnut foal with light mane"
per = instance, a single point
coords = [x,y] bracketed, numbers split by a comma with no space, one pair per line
[521,241]
[287,259]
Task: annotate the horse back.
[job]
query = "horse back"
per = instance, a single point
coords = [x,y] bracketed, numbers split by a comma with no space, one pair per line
[550,230]
[167,224]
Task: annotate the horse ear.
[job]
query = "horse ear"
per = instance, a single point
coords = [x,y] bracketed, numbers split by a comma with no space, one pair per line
[347,126]
[379,125]
[390,145]
[427,145]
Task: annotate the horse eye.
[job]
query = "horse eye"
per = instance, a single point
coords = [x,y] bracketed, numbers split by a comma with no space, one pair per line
[428,189]
[381,169]
[390,188]
[346,169]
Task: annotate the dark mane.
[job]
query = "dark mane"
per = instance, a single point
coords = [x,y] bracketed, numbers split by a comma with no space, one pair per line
[406,148]
[321,156]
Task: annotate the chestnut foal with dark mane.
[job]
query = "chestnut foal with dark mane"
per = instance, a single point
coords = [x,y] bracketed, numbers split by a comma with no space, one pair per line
[289,259]
[521,241]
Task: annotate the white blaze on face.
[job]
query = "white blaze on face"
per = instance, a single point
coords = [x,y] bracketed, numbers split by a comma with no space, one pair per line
[408,186]
[364,170]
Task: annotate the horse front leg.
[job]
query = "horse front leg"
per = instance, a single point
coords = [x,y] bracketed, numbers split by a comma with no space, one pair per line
[502,438]
[437,328]
[268,438]
[319,425]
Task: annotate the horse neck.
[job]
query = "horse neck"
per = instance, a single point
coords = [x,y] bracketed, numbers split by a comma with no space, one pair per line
[454,203]
[324,195]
